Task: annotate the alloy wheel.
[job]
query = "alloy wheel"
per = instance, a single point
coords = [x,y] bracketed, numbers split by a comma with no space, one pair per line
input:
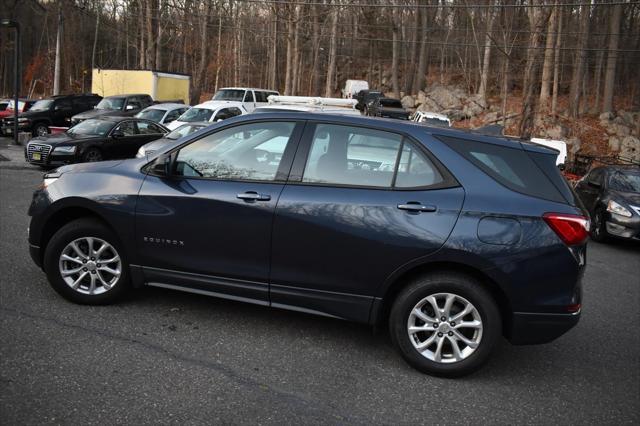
[90,265]
[41,130]
[445,328]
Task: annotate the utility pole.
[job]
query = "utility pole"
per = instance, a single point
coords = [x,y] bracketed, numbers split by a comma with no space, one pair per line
[95,42]
[56,75]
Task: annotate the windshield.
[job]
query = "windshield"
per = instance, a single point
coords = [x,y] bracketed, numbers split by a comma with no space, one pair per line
[196,114]
[91,128]
[111,104]
[626,182]
[432,121]
[391,103]
[152,114]
[184,130]
[43,105]
[229,95]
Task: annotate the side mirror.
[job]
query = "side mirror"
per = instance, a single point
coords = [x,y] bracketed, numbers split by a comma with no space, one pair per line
[162,166]
[129,108]
[117,134]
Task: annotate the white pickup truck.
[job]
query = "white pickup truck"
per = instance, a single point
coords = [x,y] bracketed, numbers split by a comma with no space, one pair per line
[431,119]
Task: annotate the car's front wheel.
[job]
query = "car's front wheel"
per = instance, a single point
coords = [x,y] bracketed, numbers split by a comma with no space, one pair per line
[92,155]
[445,324]
[85,263]
[40,129]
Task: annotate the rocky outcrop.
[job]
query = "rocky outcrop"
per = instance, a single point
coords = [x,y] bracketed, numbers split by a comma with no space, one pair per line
[450,100]
[623,129]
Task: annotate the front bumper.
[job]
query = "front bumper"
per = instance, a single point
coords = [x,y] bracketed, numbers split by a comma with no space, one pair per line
[623,227]
[534,328]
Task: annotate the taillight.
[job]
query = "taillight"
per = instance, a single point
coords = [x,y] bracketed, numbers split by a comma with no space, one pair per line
[572,229]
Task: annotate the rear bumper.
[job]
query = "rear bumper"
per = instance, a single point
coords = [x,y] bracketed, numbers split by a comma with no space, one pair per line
[535,328]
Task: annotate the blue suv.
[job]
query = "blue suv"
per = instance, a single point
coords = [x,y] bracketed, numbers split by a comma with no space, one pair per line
[452,239]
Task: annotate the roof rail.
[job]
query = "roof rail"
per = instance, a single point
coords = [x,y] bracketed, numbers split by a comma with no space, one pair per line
[312,100]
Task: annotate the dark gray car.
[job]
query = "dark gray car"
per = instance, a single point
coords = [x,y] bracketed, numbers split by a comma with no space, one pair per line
[120,105]
[184,130]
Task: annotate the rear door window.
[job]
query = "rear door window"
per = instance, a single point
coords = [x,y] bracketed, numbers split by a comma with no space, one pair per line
[352,156]
[511,167]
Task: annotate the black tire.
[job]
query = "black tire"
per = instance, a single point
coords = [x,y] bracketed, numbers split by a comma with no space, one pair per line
[92,155]
[598,228]
[85,227]
[40,129]
[459,285]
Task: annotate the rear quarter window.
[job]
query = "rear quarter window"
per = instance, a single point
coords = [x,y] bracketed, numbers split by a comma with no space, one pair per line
[513,168]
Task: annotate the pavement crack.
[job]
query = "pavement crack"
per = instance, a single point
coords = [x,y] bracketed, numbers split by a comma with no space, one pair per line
[321,411]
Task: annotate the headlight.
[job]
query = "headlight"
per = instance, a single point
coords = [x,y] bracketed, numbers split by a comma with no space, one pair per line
[141,152]
[49,178]
[616,208]
[23,120]
[65,150]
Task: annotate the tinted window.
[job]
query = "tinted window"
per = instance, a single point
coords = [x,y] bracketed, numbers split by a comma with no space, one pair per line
[391,103]
[352,156]
[248,152]
[128,128]
[145,128]
[152,114]
[196,114]
[224,113]
[229,95]
[414,169]
[111,103]
[596,176]
[248,96]
[511,167]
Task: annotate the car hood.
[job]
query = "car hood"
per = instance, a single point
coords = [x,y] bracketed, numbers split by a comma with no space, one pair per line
[632,198]
[88,167]
[93,113]
[62,139]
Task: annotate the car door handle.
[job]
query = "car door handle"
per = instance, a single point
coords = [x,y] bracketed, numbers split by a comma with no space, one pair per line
[415,207]
[253,196]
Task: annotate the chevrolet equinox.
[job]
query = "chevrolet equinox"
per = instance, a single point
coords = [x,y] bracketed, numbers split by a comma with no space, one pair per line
[452,239]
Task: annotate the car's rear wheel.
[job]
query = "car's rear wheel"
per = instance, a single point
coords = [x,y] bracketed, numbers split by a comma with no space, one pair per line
[92,155]
[445,324]
[598,229]
[40,129]
[85,263]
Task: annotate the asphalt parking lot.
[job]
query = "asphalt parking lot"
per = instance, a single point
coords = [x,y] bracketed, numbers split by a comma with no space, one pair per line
[169,357]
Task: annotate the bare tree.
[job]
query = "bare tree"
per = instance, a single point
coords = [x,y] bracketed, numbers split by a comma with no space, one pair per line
[578,68]
[612,58]
[331,68]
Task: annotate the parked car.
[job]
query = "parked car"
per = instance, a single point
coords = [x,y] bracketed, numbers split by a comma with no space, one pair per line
[186,129]
[23,106]
[310,104]
[248,97]
[211,111]
[450,238]
[120,106]
[431,119]
[352,87]
[95,139]
[560,146]
[388,107]
[612,196]
[53,111]
[163,113]
[365,97]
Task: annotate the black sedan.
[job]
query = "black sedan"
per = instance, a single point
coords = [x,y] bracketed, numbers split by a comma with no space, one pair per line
[612,196]
[93,140]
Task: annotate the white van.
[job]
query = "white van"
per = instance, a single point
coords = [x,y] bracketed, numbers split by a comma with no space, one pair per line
[352,87]
[557,145]
[249,97]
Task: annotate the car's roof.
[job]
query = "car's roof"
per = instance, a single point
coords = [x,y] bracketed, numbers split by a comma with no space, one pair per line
[215,105]
[246,88]
[620,167]
[127,95]
[168,105]
[118,118]
[433,115]
[389,124]
[308,108]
